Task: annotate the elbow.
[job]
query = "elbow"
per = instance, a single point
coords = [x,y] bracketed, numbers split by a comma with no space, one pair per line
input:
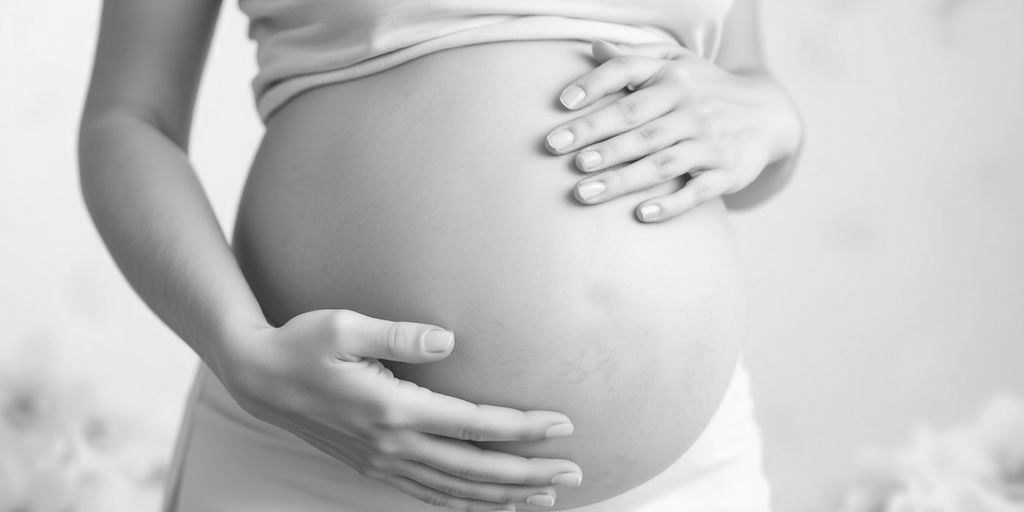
[105,133]
[98,135]
[96,140]
[105,139]
[98,125]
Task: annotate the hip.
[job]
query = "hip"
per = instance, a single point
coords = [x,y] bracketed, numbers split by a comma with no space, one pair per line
[227,461]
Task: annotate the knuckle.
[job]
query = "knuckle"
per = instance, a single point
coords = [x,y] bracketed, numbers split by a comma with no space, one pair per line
[386,416]
[397,337]
[471,432]
[628,111]
[436,499]
[505,496]
[663,164]
[455,490]
[700,190]
[585,125]
[462,432]
[461,472]
[610,147]
[391,417]
[387,448]
[614,180]
[648,134]
[468,473]
[344,321]
[679,71]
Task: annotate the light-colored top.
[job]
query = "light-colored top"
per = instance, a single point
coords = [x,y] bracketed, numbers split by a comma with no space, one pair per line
[302,44]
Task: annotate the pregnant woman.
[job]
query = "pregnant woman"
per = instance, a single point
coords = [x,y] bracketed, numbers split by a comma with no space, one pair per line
[482,259]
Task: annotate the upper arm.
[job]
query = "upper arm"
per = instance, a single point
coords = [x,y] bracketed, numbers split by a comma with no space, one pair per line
[741,39]
[149,60]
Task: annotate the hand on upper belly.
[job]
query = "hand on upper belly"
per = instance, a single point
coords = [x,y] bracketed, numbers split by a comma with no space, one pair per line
[318,377]
[684,118]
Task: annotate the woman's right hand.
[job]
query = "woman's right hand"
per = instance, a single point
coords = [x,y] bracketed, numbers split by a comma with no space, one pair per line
[319,377]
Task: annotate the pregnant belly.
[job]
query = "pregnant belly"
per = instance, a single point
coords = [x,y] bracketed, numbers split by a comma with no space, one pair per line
[423,194]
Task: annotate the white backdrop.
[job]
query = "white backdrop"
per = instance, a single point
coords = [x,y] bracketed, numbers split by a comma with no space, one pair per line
[886,282]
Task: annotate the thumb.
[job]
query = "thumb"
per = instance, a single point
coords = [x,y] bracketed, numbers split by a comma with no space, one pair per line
[363,336]
[604,50]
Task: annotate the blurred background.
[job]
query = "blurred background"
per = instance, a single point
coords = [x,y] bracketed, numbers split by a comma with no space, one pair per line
[887,282]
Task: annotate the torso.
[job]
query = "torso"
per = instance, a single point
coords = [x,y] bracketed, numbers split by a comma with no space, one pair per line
[423,193]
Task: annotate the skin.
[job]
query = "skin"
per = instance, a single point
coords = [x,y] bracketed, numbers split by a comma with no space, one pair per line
[684,116]
[727,126]
[148,206]
[555,306]
[150,209]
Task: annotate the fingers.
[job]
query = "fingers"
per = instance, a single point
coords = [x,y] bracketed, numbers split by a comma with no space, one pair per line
[439,499]
[451,485]
[434,413]
[620,116]
[454,488]
[361,336]
[669,163]
[622,66]
[612,75]
[702,188]
[638,142]
[463,460]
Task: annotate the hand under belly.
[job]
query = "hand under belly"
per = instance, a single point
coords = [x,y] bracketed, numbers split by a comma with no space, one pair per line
[423,194]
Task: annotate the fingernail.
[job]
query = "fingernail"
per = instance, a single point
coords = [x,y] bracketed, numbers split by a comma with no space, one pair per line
[560,139]
[560,430]
[567,479]
[590,189]
[572,96]
[588,158]
[436,341]
[541,500]
[649,211]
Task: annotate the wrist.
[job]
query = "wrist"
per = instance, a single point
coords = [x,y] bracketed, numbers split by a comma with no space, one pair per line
[236,338]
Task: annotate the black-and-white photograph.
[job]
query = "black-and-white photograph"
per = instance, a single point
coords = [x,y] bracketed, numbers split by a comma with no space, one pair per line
[495,255]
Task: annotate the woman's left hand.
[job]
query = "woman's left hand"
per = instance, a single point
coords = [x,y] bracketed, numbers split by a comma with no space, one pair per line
[683,116]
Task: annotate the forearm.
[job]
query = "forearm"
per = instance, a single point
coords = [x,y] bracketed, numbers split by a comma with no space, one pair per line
[157,223]
[788,127]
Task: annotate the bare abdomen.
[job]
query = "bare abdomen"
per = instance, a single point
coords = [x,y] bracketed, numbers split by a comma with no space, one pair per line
[423,194]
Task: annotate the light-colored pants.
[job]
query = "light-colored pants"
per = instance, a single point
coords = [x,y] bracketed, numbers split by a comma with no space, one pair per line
[228,461]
